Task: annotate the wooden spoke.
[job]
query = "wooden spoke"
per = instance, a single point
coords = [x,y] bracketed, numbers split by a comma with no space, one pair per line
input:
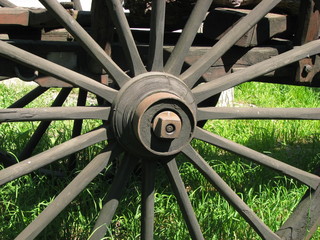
[206,90]
[66,20]
[183,199]
[155,61]
[191,75]
[55,70]
[113,198]
[70,192]
[154,107]
[257,113]
[53,154]
[307,178]
[229,194]
[77,4]
[57,113]
[180,51]
[147,204]
[6,3]
[29,97]
[43,126]
[77,127]
[126,38]
[304,219]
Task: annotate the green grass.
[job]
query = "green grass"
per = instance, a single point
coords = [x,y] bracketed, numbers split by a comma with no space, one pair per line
[270,195]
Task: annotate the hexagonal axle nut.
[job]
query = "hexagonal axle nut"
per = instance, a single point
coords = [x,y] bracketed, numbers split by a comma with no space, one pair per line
[167,125]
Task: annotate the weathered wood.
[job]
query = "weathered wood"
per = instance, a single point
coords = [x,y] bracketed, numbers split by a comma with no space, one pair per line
[126,39]
[77,4]
[214,178]
[37,18]
[308,30]
[6,3]
[67,195]
[55,70]
[14,16]
[258,113]
[101,25]
[102,31]
[237,58]
[309,179]
[204,91]
[221,20]
[288,6]
[53,113]
[179,10]
[193,73]
[233,60]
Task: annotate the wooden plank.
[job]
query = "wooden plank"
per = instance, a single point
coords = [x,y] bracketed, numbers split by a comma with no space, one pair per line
[221,20]
[179,10]
[17,16]
[288,6]
[38,18]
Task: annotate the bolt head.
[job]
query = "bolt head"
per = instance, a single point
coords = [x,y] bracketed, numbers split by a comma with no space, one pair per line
[307,68]
[167,125]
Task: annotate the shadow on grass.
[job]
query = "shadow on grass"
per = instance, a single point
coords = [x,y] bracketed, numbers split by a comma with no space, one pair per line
[23,199]
[241,173]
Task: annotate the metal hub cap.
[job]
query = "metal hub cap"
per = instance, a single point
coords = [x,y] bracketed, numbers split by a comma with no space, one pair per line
[154,115]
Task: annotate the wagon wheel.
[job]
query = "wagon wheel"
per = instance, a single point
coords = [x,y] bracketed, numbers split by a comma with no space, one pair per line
[154,117]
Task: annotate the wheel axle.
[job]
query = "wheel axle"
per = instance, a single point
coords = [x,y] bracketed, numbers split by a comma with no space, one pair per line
[167,125]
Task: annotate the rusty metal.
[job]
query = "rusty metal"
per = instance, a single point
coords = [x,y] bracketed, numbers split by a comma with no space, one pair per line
[308,30]
[167,125]
[154,93]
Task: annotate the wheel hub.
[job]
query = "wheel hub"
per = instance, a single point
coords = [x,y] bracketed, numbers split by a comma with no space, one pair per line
[154,115]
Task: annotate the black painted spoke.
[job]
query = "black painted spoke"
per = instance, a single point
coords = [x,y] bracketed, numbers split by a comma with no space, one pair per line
[206,90]
[6,3]
[113,198]
[93,48]
[191,75]
[176,59]
[155,61]
[57,113]
[183,199]
[28,59]
[53,154]
[43,126]
[229,194]
[147,204]
[257,113]
[29,97]
[70,192]
[307,178]
[126,38]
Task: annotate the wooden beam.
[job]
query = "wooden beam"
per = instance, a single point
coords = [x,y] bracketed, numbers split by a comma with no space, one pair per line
[37,18]
[221,20]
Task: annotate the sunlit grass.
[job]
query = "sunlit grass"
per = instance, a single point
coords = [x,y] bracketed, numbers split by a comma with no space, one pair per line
[270,195]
